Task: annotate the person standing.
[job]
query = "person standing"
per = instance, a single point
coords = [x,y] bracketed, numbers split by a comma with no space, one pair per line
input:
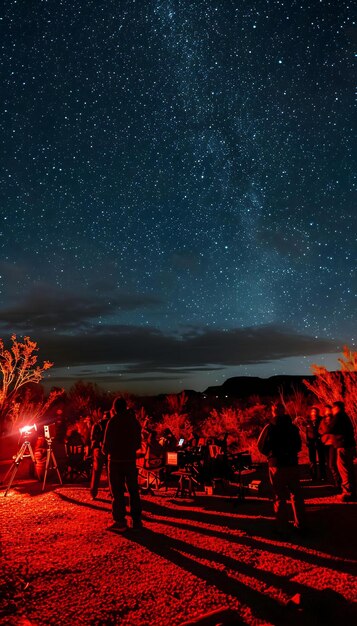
[280,442]
[316,449]
[122,439]
[341,436]
[331,451]
[96,439]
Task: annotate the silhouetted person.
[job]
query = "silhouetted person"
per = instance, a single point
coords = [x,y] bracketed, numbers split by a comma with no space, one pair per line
[75,438]
[223,443]
[280,442]
[331,451]
[121,441]
[154,449]
[341,435]
[168,440]
[97,438]
[316,449]
[75,451]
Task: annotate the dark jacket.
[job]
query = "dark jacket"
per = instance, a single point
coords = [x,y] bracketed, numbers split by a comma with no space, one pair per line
[280,442]
[122,437]
[313,435]
[338,431]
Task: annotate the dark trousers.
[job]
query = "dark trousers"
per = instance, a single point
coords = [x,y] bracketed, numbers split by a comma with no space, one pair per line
[98,462]
[124,474]
[346,470]
[332,464]
[317,456]
[285,482]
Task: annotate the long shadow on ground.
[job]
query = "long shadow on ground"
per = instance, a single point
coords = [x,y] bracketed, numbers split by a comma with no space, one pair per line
[332,526]
[283,549]
[318,608]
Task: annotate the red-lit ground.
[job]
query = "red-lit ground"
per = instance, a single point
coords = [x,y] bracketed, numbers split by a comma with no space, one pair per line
[63,567]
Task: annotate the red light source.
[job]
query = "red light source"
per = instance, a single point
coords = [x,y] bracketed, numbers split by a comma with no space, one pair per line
[27,430]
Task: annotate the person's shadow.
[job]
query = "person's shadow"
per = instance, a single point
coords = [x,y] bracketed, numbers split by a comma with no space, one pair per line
[256,518]
[308,607]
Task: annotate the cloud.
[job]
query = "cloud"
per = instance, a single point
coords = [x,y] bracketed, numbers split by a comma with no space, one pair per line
[66,326]
[47,308]
[143,350]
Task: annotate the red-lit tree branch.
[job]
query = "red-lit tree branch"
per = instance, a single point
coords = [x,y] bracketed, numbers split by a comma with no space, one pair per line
[18,367]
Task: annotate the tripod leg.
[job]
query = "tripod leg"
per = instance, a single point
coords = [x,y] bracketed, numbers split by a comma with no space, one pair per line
[51,457]
[14,467]
[15,462]
[55,466]
[48,456]
[9,471]
[31,454]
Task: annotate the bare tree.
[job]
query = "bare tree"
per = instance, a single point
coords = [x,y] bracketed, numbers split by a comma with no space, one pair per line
[18,367]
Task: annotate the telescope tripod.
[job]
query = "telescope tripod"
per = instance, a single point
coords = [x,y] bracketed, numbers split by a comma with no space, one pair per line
[24,452]
[50,456]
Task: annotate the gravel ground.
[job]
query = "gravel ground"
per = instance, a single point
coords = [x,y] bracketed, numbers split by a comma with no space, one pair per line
[63,566]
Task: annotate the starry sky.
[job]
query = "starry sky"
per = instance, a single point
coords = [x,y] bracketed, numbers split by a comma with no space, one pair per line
[177,187]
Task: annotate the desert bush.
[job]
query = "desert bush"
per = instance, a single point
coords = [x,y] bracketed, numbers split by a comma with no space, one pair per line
[176,417]
[242,426]
[86,398]
[176,403]
[142,416]
[33,405]
[255,418]
[296,404]
[220,422]
[329,387]
[179,424]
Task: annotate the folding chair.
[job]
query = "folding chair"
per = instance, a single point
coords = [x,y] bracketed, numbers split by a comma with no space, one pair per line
[150,474]
[76,467]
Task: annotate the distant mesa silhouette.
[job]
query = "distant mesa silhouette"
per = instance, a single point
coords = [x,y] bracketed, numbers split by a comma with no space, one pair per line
[245,386]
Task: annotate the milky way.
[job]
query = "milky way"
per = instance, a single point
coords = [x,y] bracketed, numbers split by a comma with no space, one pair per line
[177,186]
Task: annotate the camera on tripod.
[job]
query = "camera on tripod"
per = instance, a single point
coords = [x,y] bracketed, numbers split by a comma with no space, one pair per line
[26,451]
[49,431]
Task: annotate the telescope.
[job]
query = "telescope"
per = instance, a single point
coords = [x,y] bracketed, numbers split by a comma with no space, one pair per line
[26,451]
[27,430]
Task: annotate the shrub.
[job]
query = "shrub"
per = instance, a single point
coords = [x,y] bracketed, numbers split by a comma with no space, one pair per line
[329,387]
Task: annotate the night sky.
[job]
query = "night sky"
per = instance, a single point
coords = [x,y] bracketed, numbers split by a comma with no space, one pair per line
[177,187]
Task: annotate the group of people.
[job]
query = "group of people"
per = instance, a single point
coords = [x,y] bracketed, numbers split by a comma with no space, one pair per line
[280,441]
[328,436]
[117,437]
